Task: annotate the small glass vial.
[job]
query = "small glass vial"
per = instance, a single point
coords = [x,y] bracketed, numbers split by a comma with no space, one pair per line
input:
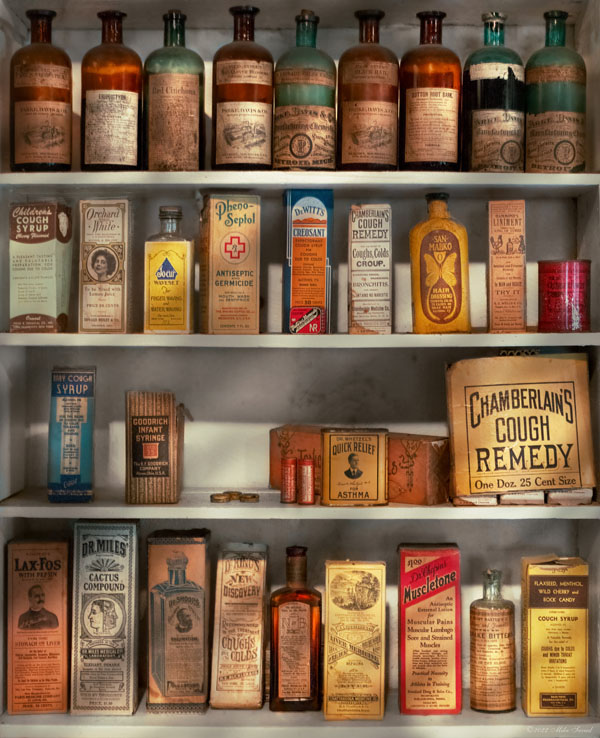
[492,648]
[168,276]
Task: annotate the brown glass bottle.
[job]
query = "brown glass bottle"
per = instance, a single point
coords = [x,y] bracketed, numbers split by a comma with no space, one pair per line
[430,101]
[40,101]
[295,640]
[111,98]
[242,101]
[368,100]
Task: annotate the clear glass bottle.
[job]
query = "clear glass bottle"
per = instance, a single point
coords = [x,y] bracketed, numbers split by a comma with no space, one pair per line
[40,101]
[430,101]
[304,122]
[174,103]
[168,276]
[111,98]
[368,101]
[492,648]
[295,640]
[555,80]
[242,101]
[493,120]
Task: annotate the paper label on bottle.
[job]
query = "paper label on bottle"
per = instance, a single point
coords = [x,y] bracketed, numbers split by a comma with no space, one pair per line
[294,651]
[431,125]
[111,127]
[498,139]
[243,133]
[496,70]
[173,122]
[555,142]
[42,75]
[184,640]
[370,132]
[492,659]
[42,132]
[169,286]
[368,72]
[244,72]
[441,278]
[304,76]
[304,137]
[556,73]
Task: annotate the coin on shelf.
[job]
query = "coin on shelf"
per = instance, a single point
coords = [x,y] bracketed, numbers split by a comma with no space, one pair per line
[233,494]
[249,498]
[220,497]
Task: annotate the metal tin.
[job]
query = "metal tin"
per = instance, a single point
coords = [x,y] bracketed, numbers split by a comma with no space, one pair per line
[288,480]
[306,482]
[564,296]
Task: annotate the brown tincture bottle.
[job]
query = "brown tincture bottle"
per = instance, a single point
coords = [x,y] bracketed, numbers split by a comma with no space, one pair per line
[368,101]
[40,101]
[429,101]
[111,97]
[242,100]
[295,640]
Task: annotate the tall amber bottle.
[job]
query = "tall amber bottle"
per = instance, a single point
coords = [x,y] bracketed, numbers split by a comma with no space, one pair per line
[111,101]
[430,101]
[439,261]
[242,101]
[40,101]
[368,100]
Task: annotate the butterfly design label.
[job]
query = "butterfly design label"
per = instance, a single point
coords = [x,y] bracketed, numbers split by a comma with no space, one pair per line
[441,288]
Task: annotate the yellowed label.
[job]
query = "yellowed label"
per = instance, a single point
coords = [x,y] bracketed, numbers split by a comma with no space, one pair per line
[354,661]
[42,75]
[431,124]
[492,659]
[304,137]
[370,72]
[294,651]
[111,127]
[555,142]
[370,132]
[497,143]
[42,132]
[304,76]
[496,70]
[539,75]
[243,133]
[244,72]
[168,286]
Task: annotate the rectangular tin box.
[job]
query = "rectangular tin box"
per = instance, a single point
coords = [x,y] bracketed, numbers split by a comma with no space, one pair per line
[418,469]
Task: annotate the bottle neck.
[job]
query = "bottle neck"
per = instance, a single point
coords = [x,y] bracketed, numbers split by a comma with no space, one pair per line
[169,226]
[112,30]
[243,27]
[369,30]
[306,34]
[556,31]
[177,576]
[493,33]
[295,572]
[41,30]
[431,29]
[492,586]
[438,209]
[174,32]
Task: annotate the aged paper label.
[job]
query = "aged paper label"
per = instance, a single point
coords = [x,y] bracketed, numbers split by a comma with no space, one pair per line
[553,73]
[496,70]
[243,133]
[498,139]
[441,276]
[294,651]
[370,72]
[370,132]
[431,124]
[507,288]
[173,122]
[42,75]
[42,132]
[168,286]
[304,76]
[111,127]
[492,659]
[304,137]
[244,72]
[555,142]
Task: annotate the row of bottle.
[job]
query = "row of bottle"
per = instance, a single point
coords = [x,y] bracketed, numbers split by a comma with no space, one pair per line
[152,116]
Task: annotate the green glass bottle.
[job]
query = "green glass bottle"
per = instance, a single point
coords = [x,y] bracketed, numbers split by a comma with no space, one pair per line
[555,81]
[304,126]
[174,102]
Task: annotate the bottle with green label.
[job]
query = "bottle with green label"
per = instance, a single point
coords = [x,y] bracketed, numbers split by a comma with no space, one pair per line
[304,125]
[555,89]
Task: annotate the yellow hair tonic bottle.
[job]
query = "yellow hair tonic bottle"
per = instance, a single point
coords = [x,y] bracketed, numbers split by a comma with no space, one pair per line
[168,277]
[439,271]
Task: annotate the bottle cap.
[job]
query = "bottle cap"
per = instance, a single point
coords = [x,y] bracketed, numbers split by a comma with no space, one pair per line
[558,14]
[296,551]
[430,196]
[169,211]
[307,16]
[493,16]
[40,13]
[431,14]
[247,9]
[174,15]
[377,14]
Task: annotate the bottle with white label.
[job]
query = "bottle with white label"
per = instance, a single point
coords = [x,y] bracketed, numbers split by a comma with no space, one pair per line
[430,101]
[493,120]
[111,97]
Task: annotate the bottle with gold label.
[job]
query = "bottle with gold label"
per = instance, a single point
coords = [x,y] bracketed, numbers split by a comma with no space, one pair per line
[492,648]
[440,271]
[168,277]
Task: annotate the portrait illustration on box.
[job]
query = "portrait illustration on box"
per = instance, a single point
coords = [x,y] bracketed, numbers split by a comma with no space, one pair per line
[37,617]
[353,472]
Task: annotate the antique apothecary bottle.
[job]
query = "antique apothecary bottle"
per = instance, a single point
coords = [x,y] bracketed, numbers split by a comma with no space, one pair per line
[174,102]
[439,271]
[368,100]
[555,127]
[304,123]
[430,101]
[493,120]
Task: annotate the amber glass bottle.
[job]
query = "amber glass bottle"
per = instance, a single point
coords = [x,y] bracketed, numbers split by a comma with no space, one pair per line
[368,100]
[40,101]
[111,97]
[295,640]
[242,101]
[429,101]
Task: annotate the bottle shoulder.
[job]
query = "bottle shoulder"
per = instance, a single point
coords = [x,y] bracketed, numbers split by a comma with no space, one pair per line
[368,52]
[484,604]
[40,54]
[420,230]
[174,59]
[114,54]
[242,50]
[306,56]
[429,54]
[290,594]
[561,56]
[493,54]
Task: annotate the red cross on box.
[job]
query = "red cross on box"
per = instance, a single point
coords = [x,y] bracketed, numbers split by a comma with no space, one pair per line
[235,247]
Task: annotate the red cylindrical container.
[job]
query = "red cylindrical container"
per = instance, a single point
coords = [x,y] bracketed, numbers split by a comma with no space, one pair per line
[288,480]
[564,296]
[306,482]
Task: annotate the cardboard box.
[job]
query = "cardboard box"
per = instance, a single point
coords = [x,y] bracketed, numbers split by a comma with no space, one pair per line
[230,264]
[429,640]
[294,442]
[40,251]
[519,423]
[104,670]
[418,469]
[354,660]
[239,628]
[178,615]
[37,627]
[555,636]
